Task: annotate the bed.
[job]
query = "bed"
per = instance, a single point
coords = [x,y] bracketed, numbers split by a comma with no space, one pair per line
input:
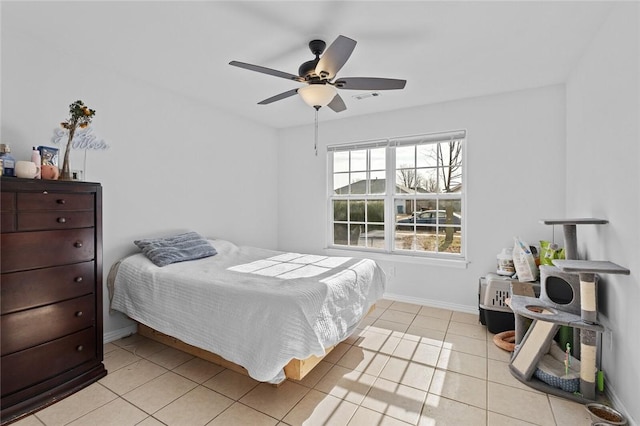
[273,314]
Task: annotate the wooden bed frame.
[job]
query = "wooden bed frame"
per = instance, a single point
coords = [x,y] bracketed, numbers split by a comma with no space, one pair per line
[296,369]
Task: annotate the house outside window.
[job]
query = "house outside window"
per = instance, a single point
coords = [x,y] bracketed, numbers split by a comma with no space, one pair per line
[401,196]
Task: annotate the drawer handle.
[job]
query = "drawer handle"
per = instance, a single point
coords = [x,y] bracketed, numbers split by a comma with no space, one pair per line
[77,244]
[79,348]
[62,220]
[78,279]
[61,201]
[79,314]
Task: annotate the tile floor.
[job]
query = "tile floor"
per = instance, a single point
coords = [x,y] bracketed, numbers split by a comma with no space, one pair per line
[406,365]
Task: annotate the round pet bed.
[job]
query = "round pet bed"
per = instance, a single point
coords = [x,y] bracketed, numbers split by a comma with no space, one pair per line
[505,340]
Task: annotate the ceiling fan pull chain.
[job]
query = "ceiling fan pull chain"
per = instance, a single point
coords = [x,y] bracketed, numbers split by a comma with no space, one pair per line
[315,144]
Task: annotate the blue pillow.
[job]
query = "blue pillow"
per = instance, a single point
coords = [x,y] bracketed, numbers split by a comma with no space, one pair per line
[177,248]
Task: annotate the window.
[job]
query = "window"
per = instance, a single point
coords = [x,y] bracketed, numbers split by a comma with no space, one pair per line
[402,195]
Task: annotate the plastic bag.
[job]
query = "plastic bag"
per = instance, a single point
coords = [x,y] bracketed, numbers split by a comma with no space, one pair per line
[550,251]
[524,261]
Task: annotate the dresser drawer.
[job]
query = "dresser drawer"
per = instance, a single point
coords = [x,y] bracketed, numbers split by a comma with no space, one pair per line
[30,289]
[64,219]
[54,201]
[41,249]
[21,330]
[33,365]
[8,207]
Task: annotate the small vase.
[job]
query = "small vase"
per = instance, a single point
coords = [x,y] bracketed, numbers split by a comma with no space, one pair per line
[65,172]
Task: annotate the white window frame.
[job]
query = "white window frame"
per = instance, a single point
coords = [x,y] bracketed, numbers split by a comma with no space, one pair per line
[389,251]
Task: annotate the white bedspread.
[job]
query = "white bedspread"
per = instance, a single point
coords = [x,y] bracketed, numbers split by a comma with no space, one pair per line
[257,308]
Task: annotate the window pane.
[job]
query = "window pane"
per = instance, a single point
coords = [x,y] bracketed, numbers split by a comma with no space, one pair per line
[377,183]
[375,236]
[340,234]
[359,183]
[406,181]
[340,210]
[354,235]
[405,157]
[356,210]
[449,241]
[359,160]
[428,180]
[341,161]
[378,159]
[427,155]
[341,183]
[375,211]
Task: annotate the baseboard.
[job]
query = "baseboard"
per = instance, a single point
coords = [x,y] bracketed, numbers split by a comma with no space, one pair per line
[110,336]
[432,303]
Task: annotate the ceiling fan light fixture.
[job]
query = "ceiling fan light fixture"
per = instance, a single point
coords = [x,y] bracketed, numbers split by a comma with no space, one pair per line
[317,95]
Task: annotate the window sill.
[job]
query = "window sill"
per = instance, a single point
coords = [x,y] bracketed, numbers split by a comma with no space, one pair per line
[401,258]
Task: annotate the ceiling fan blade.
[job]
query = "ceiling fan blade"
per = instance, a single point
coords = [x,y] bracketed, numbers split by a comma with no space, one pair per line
[369,83]
[335,57]
[279,97]
[337,104]
[265,70]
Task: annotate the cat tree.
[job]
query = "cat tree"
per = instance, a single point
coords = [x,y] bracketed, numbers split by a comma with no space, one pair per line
[547,317]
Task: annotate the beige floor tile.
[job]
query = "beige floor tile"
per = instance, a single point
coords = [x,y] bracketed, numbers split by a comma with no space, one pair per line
[275,401]
[118,358]
[459,387]
[198,370]
[447,412]
[363,360]
[425,335]
[397,316]
[465,317]
[197,407]
[461,362]
[140,345]
[76,405]
[499,372]
[240,414]
[231,384]
[170,358]
[116,413]
[441,313]
[150,421]
[496,419]
[568,412]
[465,344]
[389,327]
[367,417]
[314,376]
[405,307]
[376,312]
[395,400]
[417,352]
[159,392]
[495,352]
[373,341]
[366,322]
[317,408]
[108,347]
[346,384]
[432,323]
[28,421]
[475,331]
[520,404]
[384,303]
[337,353]
[133,375]
[408,373]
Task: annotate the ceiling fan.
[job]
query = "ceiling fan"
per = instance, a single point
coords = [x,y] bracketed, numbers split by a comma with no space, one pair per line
[320,76]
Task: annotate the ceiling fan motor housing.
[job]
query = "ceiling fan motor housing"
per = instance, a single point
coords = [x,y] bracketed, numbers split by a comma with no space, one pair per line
[307,69]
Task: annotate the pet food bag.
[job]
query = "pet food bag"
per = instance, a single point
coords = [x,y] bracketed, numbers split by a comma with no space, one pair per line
[524,261]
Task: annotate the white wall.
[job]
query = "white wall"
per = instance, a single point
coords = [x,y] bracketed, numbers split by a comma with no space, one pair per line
[515,176]
[603,181]
[173,164]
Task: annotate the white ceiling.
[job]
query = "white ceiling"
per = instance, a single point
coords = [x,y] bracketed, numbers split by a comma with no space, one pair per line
[446,50]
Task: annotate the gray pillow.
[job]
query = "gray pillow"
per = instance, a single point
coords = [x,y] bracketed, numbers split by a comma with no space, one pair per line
[177,248]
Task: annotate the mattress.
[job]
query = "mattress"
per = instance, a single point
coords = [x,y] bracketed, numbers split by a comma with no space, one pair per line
[255,307]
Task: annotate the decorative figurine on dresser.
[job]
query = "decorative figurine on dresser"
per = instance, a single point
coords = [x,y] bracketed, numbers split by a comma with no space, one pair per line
[51,292]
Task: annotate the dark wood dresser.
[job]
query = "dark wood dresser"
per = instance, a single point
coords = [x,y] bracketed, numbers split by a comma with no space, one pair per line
[51,292]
